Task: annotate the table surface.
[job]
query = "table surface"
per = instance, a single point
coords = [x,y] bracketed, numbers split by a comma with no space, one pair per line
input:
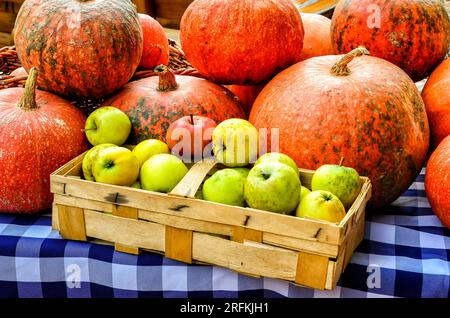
[405,253]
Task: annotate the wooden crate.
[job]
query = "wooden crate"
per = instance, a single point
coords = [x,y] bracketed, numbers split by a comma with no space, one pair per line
[307,252]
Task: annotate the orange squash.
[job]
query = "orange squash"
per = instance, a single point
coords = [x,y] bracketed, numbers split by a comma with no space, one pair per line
[436,95]
[437,181]
[317,40]
[364,109]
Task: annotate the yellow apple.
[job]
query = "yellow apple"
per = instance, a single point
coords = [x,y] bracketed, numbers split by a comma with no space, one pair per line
[235,142]
[89,159]
[321,205]
[162,172]
[116,165]
[148,148]
[107,125]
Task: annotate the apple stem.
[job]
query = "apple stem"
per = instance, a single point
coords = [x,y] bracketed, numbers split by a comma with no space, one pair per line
[192,119]
[342,161]
[83,130]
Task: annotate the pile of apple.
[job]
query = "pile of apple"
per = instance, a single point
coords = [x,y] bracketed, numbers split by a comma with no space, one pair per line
[271,182]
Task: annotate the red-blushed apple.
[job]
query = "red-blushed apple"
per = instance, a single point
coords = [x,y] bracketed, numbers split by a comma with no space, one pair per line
[190,137]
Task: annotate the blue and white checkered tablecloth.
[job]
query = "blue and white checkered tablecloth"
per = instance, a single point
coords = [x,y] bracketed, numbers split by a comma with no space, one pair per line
[405,253]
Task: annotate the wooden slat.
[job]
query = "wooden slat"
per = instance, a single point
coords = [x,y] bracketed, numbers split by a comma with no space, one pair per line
[312,270]
[205,211]
[125,231]
[55,217]
[193,179]
[240,234]
[186,223]
[178,244]
[130,213]
[71,223]
[326,249]
[253,260]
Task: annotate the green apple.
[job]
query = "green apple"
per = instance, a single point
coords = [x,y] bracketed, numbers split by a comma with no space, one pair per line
[116,165]
[343,182]
[272,186]
[243,171]
[162,172]
[89,159]
[107,125]
[148,148]
[304,191]
[225,186]
[136,185]
[278,157]
[321,205]
[235,142]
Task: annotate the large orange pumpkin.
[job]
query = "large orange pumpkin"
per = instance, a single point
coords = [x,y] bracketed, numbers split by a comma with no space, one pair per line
[366,110]
[241,42]
[82,48]
[436,95]
[39,132]
[153,103]
[317,40]
[437,181]
[413,34]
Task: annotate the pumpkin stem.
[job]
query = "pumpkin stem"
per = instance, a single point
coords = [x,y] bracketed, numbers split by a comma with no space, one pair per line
[28,100]
[167,81]
[341,67]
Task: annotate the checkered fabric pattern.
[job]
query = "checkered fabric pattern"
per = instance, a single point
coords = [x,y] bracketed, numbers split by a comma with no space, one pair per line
[405,253]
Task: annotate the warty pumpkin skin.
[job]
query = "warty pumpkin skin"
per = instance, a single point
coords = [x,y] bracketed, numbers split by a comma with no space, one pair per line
[437,181]
[82,48]
[241,42]
[413,34]
[436,95]
[39,132]
[367,111]
[153,103]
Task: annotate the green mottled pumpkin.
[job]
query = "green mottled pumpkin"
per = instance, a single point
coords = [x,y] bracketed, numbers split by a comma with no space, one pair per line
[153,103]
[82,48]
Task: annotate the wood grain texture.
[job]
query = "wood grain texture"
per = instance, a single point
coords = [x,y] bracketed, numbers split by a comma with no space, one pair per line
[312,270]
[71,223]
[178,244]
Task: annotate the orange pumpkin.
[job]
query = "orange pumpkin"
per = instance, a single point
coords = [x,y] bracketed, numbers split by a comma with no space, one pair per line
[247,95]
[436,95]
[317,40]
[156,43]
[437,181]
[82,48]
[39,132]
[153,103]
[241,42]
[366,110]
